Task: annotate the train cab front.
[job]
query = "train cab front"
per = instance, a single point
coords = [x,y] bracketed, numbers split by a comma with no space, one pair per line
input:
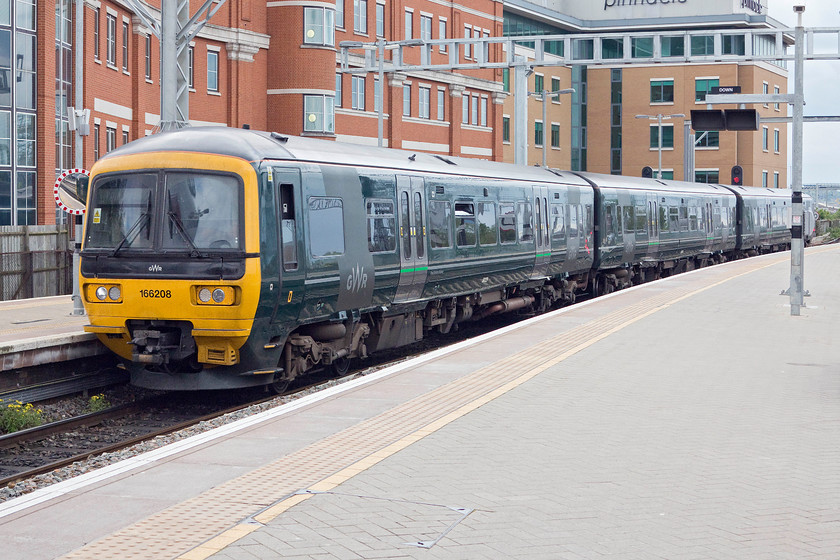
[170,268]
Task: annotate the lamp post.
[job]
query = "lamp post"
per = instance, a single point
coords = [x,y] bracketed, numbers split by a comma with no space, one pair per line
[544,94]
[659,118]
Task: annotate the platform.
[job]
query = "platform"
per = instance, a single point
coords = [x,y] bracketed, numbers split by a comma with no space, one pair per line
[43,331]
[692,417]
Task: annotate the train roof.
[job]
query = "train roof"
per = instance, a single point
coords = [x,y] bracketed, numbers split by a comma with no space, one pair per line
[640,183]
[254,145]
[762,192]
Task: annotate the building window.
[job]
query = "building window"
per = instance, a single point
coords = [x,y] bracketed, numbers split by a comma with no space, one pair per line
[506,79]
[776,140]
[425,27]
[483,112]
[25,140]
[703,87]
[95,142]
[707,176]
[406,100]
[360,16]
[338,89]
[124,137]
[538,133]
[409,24]
[377,94]
[662,91]
[474,111]
[555,86]
[96,34]
[111,41]
[424,102]
[212,71]
[319,26]
[148,57]
[339,13]
[110,138]
[702,45]
[776,92]
[125,47]
[612,48]
[506,129]
[710,139]
[539,83]
[442,33]
[441,104]
[673,46]
[358,93]
[667,136]
[641,47]
[467,35]
[320,113]
[380,20]
[765,140]
[555,135]
[465,109]
[775,179]
[764,179]
[733,44]
[191,67]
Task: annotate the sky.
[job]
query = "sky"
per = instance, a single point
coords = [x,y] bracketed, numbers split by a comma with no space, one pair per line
[821,160]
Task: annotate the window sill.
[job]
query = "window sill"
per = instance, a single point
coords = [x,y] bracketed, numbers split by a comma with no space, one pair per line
[216,93]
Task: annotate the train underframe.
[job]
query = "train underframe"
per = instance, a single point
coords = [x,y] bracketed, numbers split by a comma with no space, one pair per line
[169,348]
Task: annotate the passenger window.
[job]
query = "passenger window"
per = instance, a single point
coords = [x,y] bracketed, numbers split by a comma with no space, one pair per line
[507,224]
[663,218]
[641,219]
[420,228]
[558,223]
[573,220]
[381,226]
[525,221]
[288,228]
[439,224]
[465,224]
[487,223]
[629,221]
[405,226]
[326,227]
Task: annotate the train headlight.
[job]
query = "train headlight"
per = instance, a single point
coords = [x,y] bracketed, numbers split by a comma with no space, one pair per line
[114,293]
[204,295]
[215,295]
[101,293]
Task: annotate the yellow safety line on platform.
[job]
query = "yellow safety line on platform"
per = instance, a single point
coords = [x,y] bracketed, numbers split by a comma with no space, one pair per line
[235,533]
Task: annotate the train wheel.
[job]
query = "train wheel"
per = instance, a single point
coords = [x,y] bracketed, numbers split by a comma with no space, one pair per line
[279,386]
[340,367]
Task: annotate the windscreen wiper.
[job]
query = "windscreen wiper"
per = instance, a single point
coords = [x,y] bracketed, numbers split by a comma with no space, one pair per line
[182,230]
[132,233]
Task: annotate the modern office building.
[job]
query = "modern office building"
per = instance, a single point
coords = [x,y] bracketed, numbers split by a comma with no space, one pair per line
[273,65]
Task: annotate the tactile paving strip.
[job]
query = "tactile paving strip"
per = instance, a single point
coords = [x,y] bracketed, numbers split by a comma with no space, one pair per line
[198,527]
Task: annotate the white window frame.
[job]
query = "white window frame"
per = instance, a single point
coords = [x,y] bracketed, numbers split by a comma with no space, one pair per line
[442,32]
[357,95]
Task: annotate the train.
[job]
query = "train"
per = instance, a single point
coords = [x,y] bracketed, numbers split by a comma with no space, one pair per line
[222,258]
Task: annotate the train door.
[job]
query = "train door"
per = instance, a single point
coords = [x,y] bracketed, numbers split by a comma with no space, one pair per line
[414,261]
[542,235]
[653,226]
[291,282]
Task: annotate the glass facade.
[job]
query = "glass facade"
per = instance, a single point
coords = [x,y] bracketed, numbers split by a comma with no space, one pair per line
[18,58]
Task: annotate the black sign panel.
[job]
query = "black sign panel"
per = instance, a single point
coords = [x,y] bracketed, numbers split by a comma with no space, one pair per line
[716,90]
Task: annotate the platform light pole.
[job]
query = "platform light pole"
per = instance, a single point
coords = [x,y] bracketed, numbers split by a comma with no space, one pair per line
[659,118]
[544,95]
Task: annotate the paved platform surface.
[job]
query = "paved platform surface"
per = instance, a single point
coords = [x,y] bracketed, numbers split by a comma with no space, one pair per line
[42,331]
[688,418]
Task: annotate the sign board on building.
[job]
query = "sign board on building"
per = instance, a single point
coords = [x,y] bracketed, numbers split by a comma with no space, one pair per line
[607,11]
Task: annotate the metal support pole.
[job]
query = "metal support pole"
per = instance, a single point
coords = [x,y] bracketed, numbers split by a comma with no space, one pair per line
[78,308]
[688,153]
[545,121]
[797,244]
[659,124]
[168,64]
[380,133]
[520,110]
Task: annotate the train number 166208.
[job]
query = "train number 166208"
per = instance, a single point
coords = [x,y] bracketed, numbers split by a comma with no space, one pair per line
[156,293]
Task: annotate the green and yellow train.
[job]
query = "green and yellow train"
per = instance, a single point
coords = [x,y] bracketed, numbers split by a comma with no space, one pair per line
[219,258]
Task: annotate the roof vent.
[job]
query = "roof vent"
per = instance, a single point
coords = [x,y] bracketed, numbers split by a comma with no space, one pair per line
[279,137]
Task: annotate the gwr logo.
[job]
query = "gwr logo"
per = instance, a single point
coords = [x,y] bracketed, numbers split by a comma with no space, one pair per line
[155,268]
[357,279]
